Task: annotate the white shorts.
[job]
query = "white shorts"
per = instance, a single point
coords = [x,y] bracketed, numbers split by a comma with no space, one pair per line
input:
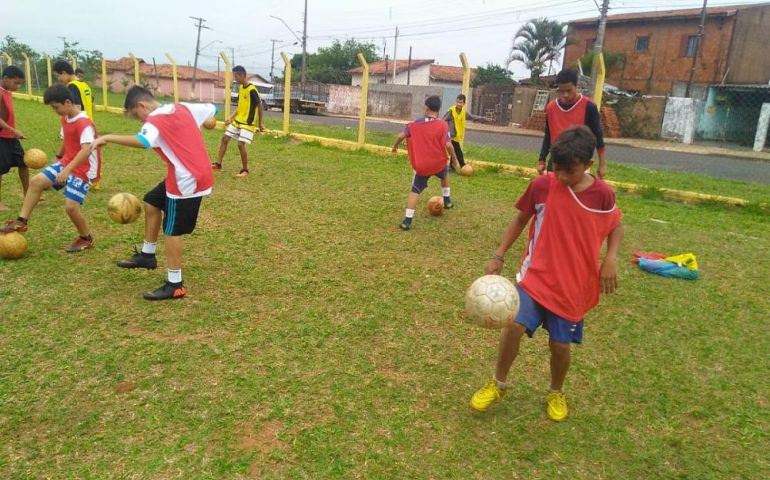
[240,134]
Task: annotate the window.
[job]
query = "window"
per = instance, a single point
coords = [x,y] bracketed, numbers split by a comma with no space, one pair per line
[642,44]
[691,47]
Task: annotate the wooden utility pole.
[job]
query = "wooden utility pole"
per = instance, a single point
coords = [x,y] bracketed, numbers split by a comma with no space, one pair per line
[697,48]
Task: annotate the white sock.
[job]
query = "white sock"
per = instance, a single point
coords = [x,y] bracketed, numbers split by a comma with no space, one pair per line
[445,190]
[501,385]
[175,276]
[149,248]
[410,213]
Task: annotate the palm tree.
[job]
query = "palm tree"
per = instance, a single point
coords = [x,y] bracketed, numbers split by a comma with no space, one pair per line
[537,43]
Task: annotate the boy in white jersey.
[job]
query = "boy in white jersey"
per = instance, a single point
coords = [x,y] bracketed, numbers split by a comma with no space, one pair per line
[173,131]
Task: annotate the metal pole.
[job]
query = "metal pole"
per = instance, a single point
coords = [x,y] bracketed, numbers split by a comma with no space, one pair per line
[304,46]
[395,58]
[409,66]
[599,42]
[228,80]
[197,51]
[105,87]
[174,77]
[272,60]
[697,48]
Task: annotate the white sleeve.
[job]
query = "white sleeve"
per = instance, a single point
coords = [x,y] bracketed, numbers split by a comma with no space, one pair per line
[87,135]
[148,135]
[61,133]
[201,111]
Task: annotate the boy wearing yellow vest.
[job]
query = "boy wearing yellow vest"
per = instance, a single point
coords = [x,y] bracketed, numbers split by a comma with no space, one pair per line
[243,123]
[456,118]
[82,97]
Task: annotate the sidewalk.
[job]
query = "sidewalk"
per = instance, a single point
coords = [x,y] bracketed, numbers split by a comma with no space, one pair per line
[659,145]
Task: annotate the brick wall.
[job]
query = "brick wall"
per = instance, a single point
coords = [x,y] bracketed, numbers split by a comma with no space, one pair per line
[655,70]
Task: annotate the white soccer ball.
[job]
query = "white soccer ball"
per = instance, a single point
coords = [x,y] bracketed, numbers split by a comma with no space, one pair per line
[491,301]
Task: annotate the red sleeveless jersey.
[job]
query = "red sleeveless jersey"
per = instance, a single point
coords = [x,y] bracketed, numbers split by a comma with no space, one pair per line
[72,132]
[560,119]
[563,269]
[7,99]
[190,171]
[426,145]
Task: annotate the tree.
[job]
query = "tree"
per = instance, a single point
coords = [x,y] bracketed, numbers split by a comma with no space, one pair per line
[613,61]
[492,75]
[89,60]
[330,64]
[538,44]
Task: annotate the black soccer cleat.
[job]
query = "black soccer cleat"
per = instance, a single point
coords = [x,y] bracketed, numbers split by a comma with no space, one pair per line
[139,260]
[169,291]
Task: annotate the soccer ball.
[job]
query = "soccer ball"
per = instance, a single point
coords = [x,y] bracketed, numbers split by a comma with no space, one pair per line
[492,301]
[210,123]
[35,158]
[436,205]
[124,208]
[466,171]
[12,245]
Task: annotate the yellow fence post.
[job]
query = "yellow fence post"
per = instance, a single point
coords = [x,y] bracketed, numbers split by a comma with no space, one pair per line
[74,60]
[174,77]
[48,68]
[466,88]
[364,100]
[600,73]
[8,59]
[466,75]
[228,81]
[286,92]
[105,85]
[136,68]
[28,73]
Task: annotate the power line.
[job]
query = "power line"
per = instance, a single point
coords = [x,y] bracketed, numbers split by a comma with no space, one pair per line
[200,25]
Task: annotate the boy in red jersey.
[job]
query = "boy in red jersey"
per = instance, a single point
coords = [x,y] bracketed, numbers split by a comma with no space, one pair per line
[69,173]
[571,108]
[560,278]
[428,145]
[11,153]
[173,131]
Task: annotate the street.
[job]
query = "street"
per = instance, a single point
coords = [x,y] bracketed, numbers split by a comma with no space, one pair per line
[755,171]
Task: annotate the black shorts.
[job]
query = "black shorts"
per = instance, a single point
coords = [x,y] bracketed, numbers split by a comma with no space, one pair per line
[179,214]
[420,182]
[11,154]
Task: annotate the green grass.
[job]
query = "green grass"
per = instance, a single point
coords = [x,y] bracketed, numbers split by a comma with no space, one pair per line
[318,341]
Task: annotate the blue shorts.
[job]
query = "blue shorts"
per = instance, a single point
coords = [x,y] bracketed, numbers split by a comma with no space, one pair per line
[531,315]
[420,182]
[75,189]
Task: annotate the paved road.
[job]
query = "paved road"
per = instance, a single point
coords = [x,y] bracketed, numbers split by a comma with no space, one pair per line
[715,166]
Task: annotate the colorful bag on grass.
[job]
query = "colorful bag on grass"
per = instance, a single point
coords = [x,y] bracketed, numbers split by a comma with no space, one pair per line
[678,266]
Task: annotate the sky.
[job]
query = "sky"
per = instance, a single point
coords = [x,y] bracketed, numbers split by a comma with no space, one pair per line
[435,29]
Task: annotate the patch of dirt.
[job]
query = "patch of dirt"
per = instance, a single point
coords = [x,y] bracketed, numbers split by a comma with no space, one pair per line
[264,440]
[125,387]
[293,141]
[172,337]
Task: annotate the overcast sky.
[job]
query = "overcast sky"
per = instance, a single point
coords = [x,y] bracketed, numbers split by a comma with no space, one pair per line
[437,29]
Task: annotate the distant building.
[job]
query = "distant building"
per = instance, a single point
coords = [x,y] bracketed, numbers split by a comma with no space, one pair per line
[659,48]
[158,77]
[416,72]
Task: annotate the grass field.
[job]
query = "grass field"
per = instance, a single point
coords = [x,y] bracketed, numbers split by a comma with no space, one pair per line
[319,341]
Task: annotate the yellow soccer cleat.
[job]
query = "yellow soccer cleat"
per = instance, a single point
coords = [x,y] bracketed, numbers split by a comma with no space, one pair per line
[486,396]
[95,186]
[556,406]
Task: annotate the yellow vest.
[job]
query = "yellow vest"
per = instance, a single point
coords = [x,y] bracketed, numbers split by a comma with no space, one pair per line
[459,119]
[244,107]
[85,96]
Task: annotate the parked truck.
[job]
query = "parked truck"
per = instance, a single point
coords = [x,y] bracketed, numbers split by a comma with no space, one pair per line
[309,97]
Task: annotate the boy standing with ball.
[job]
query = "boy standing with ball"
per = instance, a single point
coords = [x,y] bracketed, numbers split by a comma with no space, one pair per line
[11,153]
[428,144]
[69,173]
[173,131]
[560,279]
